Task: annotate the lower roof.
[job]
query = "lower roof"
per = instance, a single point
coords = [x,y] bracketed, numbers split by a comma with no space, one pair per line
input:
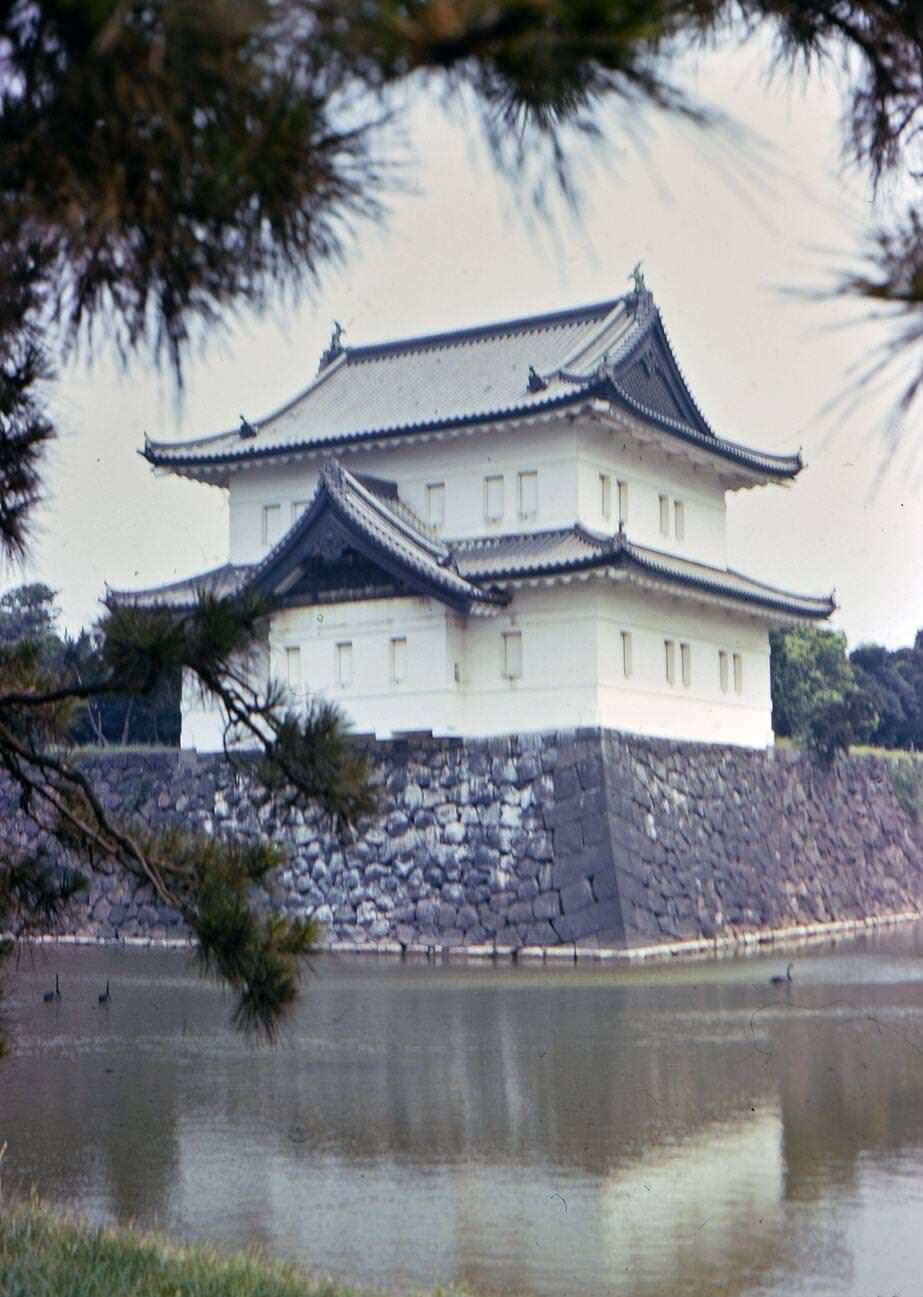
[575,549]
[348,514]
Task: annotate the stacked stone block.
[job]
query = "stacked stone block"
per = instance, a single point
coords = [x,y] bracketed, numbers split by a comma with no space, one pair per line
[577,837]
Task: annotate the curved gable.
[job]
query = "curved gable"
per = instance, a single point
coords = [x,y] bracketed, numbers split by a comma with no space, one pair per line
[649,378]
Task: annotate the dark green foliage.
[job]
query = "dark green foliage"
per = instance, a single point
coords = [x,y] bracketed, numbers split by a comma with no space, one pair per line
[836,721]
[117,716]
[306,756]
[816,691]
[31,649]
[178,157]
[211,881]
[816,697]
[807,665]
[893,696]
[162,162]
[24,364]
[893,680]
[308,753]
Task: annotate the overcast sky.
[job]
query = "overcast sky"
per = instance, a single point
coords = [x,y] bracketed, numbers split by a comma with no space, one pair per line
[729,233]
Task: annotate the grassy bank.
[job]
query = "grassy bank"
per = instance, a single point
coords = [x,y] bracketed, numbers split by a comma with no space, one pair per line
[45,1255]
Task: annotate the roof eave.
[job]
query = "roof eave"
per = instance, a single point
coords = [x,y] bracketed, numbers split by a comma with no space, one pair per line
[785,609]
[364,437]
[754,467]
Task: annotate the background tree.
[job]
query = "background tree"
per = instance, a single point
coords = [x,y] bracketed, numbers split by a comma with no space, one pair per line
[28,613]
[28,616]
[893,680]
[163,162]
[816,696]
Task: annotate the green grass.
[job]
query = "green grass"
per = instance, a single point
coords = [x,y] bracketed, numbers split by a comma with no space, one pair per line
[893,754]
[43,1254]
[857,750]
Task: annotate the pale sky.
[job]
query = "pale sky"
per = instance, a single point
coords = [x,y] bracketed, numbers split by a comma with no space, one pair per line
[725,232]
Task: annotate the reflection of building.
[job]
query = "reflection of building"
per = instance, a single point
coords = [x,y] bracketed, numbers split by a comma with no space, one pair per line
[702,1213]
[503,529]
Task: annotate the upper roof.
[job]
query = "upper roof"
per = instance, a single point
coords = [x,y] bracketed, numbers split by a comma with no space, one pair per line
[355,536]
[616,352]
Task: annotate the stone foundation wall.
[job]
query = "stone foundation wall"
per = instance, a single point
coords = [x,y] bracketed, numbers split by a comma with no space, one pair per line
[583,837]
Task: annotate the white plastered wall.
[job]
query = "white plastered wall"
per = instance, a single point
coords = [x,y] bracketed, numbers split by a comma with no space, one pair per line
[605,449]
[251,490]
[572,671]
[461,463]
[645,703]
[567,456]
[572,666]
[427,698]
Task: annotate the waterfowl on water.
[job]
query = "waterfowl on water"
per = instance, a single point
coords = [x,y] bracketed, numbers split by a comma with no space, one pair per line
[778,980]
[55,994]
[105,997]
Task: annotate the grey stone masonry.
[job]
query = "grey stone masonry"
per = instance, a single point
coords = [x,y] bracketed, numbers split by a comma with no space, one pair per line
[583,837]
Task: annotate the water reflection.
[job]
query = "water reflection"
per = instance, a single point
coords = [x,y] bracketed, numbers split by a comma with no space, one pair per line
[519,1129]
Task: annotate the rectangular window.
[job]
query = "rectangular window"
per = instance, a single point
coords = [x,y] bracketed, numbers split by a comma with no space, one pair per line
[298,508]
[664,515]
[623,503]
[293,669]
[398,660]
[512,655]
[528,496]
[626,653]
[679,520]
[605,495]
[493,499]
[685,662]
[723,670]
[669,660]
[344,663]
[738,674]
[435,504]
[272,523]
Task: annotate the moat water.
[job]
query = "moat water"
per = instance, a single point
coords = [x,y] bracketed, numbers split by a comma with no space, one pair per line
[536,1130]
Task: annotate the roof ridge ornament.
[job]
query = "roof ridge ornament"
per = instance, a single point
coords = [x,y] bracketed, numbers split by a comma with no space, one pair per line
[334,346]
[640,294]
[535,381]
[247,429]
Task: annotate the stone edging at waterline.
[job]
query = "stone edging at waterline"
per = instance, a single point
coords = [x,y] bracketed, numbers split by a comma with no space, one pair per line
[790,938]
[585,839]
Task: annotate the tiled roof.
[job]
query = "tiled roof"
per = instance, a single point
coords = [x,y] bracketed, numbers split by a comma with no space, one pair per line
[467,573]
[424,382]
[388,533]
[574,549]
[616,351]
[228,579]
